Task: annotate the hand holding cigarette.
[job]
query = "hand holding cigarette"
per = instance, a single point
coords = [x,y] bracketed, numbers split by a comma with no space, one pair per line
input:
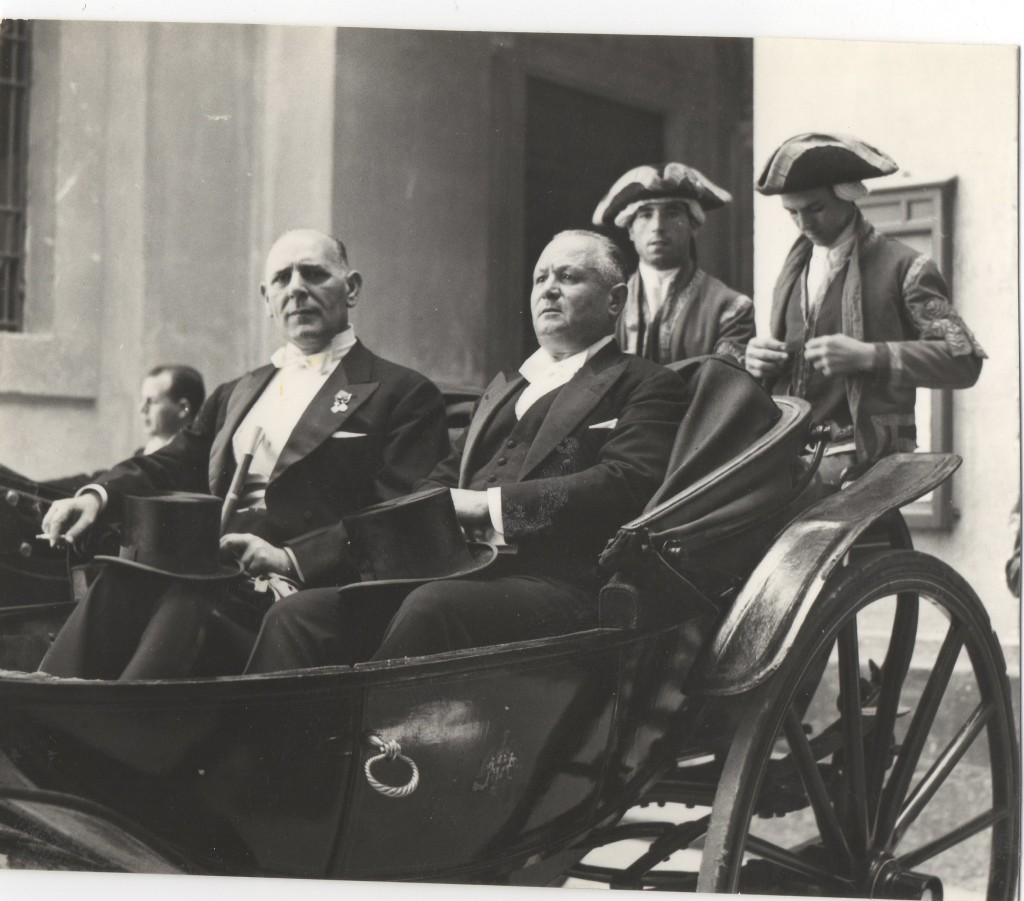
[69,518]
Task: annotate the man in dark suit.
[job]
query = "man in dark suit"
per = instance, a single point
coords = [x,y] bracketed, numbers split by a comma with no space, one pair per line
[555,459]
[329,428]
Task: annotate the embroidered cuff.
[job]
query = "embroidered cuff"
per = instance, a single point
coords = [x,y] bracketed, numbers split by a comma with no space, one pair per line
[98,490]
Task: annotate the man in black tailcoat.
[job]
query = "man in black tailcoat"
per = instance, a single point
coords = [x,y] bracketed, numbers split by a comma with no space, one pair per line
[340,427]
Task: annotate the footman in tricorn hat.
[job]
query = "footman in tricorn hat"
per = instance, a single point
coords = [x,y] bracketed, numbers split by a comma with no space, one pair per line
[674,309]
[859,320]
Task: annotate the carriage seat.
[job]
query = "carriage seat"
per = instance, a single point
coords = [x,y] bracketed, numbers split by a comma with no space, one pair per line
[733,480]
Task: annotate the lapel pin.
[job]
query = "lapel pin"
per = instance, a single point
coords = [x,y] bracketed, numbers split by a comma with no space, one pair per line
[341,400]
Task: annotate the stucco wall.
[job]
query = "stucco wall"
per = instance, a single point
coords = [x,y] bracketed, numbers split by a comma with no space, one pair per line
[939,111]
[428,189]
[163,158]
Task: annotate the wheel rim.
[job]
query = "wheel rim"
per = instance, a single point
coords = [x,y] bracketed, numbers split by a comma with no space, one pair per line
[904,775]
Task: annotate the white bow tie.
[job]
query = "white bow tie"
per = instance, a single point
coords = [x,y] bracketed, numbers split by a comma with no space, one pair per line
[291,356]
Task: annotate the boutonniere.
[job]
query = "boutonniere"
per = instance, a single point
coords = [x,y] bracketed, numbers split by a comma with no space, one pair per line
[341,400]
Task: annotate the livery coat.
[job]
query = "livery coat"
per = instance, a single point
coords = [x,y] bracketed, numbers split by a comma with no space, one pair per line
[894,297]
[704,316]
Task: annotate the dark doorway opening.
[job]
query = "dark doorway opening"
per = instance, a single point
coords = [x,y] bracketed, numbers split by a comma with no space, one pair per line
[577,144]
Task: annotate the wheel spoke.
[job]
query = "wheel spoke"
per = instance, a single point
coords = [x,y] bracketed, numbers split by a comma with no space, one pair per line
[872,777]
[855,800]
[947,841]
[824,813]
[941,768]
[789,860]
[894,673]
[895,790]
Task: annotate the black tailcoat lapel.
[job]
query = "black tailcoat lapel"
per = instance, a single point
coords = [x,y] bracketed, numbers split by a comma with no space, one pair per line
[243,396]
[501,387]
[318,421]
[577,398]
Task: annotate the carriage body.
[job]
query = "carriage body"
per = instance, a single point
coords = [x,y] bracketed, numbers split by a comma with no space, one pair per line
[529,753]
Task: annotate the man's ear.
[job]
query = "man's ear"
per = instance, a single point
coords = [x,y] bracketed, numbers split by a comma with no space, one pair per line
[617,298]
[354,281]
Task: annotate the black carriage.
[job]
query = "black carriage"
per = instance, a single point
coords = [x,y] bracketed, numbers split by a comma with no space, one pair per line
[803,672]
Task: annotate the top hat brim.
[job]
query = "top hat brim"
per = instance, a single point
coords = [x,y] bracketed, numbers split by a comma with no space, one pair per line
[222,573]
[483,555]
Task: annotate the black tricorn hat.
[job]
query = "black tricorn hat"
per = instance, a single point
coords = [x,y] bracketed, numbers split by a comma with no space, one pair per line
[644,183]
[175,534]
[415,538]
[815,160]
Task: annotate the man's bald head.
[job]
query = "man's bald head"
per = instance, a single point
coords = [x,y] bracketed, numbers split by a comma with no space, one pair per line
[309,287]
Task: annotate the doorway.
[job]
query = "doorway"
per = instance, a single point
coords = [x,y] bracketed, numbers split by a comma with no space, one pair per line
[577,144]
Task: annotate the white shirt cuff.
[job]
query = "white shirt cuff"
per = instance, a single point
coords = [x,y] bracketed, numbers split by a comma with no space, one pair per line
[295,565]
[98,490]
[494,508]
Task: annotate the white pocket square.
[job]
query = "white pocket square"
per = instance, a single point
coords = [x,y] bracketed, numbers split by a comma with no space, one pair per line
[341,434]
[610,424]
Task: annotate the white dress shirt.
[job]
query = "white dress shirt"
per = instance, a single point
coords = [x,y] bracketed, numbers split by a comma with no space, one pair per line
[277,410]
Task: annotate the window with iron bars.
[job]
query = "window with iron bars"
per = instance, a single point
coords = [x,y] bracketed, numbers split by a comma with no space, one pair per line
[14,87]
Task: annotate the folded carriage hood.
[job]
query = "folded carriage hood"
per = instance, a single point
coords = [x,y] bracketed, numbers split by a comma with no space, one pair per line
[759,629]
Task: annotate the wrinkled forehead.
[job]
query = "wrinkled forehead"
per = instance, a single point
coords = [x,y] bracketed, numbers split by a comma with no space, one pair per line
[309,247]
[575,250]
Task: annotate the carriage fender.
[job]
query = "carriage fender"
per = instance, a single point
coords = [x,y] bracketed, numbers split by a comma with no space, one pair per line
[760,627]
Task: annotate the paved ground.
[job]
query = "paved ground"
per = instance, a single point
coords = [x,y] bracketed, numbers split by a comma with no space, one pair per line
[966,793]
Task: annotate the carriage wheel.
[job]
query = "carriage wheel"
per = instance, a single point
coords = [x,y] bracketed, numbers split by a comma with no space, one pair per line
[891,778]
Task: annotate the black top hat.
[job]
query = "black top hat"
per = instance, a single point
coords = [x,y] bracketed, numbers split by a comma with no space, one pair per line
[175,534]
[415,538]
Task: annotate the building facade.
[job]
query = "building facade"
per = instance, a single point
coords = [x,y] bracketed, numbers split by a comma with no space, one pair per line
[163,159]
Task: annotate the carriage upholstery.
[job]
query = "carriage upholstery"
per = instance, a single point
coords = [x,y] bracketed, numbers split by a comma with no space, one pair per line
[733,478]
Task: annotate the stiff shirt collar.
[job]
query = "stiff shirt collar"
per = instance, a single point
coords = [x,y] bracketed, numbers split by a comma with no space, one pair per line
[322,361]
[544,373]
[540,364]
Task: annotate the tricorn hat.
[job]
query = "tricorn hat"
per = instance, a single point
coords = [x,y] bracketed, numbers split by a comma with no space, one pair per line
[817,160]
[415,538]
[666,182]
[175,534]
